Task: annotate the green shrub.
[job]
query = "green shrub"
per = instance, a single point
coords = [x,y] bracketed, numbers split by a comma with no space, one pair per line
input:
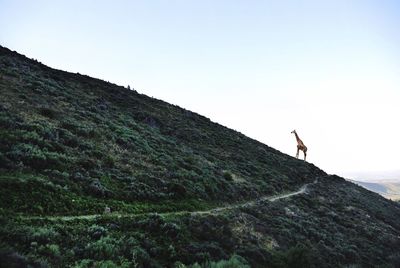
[96,231]
[235,261]
[36,158]
[48,112]
[85,263]
[50,250]
[227,176]
[104,248]
[298,256]
[42,235]
[102,264]
[140,257]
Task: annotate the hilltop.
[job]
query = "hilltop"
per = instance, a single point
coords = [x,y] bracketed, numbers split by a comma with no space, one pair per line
[182,189]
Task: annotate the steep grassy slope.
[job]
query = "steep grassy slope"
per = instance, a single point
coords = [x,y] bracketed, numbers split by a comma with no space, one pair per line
[97,139]
[72,145]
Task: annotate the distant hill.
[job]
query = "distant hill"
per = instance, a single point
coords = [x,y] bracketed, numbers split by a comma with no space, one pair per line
[181,189]
[388,189]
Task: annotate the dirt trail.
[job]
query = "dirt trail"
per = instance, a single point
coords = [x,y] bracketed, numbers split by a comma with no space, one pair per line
[216,210]
[250,203]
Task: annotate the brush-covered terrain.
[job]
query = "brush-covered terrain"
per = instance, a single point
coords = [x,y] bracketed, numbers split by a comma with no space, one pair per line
[183,191]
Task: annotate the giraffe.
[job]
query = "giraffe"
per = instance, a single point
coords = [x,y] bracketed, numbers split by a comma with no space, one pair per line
[300,146]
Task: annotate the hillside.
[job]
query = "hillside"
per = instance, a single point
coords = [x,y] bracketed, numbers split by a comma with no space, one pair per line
[388,189]
[181,188]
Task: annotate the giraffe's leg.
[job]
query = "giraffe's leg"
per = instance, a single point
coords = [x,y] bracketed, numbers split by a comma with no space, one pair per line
[305,155]
[297,154]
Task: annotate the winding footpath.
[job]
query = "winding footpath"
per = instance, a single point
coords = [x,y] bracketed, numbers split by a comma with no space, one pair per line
[301,190]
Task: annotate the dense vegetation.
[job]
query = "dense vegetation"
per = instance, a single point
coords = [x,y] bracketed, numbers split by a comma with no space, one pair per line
[73,145]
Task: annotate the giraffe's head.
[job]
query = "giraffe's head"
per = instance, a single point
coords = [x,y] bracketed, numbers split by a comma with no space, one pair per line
[293,132]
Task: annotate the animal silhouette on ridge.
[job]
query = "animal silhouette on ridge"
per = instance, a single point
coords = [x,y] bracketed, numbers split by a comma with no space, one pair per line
[300,146]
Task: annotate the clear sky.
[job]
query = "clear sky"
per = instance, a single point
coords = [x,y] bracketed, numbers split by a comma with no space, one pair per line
[330,69]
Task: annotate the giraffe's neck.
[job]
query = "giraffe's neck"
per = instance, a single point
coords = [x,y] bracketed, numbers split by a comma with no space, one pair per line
[297,138]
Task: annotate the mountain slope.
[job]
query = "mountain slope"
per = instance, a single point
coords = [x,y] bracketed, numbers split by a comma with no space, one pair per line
[72,145]
[388,189]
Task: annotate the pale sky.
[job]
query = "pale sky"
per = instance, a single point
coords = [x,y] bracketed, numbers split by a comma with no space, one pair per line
[329,69]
